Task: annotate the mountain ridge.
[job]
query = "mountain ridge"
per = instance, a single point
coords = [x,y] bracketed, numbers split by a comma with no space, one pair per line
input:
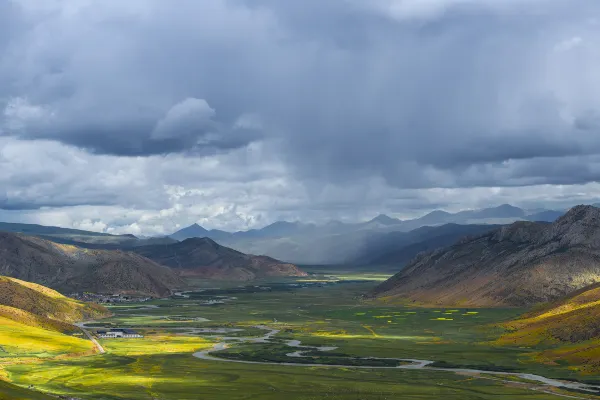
[203,257]
[70,268]
[336,242]
[519,264]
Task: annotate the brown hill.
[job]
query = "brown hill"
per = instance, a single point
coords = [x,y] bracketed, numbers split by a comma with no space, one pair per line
[24,300]
[72,269]
[206,258]
[519,264]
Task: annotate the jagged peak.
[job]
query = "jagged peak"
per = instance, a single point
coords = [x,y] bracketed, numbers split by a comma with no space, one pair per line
[580,213]
[519,232]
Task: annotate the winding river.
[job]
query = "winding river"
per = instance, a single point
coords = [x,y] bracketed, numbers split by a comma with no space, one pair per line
[407,363]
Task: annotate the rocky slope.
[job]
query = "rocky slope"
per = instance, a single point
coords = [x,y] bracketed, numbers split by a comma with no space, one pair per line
[206,258]
[519,264]
[72,269]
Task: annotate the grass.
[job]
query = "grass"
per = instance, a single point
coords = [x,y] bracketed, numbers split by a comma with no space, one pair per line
[12,392]
[21,342]
[161,366]
[155,344]
[179,376]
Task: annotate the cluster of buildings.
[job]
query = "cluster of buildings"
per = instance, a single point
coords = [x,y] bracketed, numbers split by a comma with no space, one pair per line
[118,333]
[107,298]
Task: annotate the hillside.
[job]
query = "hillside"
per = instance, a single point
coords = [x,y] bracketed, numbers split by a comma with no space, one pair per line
[73,269]
[569,327]
[206,258]
[24,300]
[571,319]
[516,265]
[36,323]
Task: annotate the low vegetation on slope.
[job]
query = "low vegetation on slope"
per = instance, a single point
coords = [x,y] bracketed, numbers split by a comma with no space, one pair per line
[517,265]
[573,319]
[20,341]
[70,268]
[27,301]
[38,321]
[571,326]
[35,324]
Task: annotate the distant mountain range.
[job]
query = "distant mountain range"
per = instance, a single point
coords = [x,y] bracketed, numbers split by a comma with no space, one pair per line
[515,265]
[82,238]
[337,242]
[383,241]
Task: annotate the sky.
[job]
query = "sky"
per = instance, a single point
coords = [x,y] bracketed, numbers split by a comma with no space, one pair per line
[143,116]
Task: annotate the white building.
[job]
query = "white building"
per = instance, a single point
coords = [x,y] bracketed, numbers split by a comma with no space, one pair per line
[119,333]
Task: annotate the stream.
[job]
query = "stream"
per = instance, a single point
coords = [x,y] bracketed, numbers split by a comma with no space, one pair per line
[411,364]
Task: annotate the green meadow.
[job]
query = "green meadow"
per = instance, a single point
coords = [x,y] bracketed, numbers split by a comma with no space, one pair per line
[327,311]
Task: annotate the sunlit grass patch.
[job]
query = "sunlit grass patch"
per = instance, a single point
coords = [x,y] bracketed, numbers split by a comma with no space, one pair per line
[156,344]
[18,340]
[339,335]
[360,277]
[442,319]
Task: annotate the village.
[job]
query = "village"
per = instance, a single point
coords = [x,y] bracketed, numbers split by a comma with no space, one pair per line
[108,298]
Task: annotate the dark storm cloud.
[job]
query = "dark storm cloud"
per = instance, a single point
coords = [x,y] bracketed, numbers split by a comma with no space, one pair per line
[423,94]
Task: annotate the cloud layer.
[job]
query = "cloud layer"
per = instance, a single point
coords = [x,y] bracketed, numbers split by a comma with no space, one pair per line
[239,112]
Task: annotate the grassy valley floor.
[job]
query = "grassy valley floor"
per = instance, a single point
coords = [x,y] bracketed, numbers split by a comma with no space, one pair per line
[316,312]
